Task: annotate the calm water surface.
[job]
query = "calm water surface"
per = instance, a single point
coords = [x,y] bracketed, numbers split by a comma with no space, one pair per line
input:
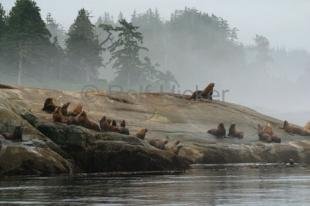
[237,185]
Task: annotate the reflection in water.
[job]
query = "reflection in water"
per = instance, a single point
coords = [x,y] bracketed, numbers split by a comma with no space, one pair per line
[221,186]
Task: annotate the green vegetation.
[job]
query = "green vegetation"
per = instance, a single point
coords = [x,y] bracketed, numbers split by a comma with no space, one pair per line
[145,51]
[83,49]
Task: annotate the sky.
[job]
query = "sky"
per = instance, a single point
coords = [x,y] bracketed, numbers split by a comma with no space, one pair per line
[284,22]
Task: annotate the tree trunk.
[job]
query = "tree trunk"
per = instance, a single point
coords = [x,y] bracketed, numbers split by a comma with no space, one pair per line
[20,69]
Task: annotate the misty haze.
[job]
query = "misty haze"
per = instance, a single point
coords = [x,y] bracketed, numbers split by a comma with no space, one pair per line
[154,102]
[203,41]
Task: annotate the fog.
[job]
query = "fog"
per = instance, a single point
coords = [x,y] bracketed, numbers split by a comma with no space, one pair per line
[278,87]
[284,22]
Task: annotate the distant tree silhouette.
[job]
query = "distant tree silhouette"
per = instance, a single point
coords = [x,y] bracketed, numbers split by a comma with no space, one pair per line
[262,46]
[2,21]
[125,53]
[27,40]
[2,31]
[83,48]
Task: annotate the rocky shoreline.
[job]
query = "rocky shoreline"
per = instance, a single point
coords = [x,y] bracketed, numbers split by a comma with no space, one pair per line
[49,148]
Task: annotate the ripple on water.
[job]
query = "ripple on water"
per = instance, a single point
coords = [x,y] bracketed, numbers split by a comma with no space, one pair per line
[231,185]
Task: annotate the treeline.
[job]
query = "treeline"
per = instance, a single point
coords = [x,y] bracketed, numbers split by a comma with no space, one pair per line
[192,43]
[29,52]
[36,51]
[144,51]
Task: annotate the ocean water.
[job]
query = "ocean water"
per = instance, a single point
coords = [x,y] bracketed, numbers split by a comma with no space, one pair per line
[247,185]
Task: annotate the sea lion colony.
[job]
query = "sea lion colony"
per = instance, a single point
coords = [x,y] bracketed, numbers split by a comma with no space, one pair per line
[79,117]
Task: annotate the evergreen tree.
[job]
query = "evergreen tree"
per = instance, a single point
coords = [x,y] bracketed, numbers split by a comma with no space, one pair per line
[158,79]
[2,31]
[125,54]
[83,49]
[262,47]
[2,21]
[27,39]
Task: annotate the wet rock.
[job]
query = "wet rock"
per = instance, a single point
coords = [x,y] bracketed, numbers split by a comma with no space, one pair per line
[103,152]
[31,159]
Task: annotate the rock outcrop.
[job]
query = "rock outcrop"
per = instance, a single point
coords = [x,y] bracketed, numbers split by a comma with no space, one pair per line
[106,152]
[177,130]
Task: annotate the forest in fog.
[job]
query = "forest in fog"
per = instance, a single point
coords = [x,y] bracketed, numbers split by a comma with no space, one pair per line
[190,49]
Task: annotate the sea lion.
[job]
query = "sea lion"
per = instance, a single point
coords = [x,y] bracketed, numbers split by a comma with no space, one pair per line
[307,127]
[114,127]
[204,94]
[208,91]
[104,125]
[158,143]
[234,133]
[266,134]
[83,120]
[219,132]
[123,129]
[76,111]
[49,106]
[58,116]
[141,133]
[291,129]
[64,109]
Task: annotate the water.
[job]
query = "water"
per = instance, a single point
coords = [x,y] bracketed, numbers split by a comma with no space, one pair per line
[229,185]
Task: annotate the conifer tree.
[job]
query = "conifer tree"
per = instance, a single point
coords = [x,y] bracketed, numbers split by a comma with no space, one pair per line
[2,30]
[125,53]
[2,21]
[27,39]
[83,48]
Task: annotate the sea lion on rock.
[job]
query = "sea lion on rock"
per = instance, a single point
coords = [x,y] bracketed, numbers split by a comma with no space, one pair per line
[85,122]
[113,127]
[266,134]
[307,127]
[123,129]
[234,133]
[219,132]
[208,91]
[104,125]
[205,94]
[64,109]
[291,129]
[76,111]
[58,116]
[158,143]
[141,133]
[16,136]
[49,106]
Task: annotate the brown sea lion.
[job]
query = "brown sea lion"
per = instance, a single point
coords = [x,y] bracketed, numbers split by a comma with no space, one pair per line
[49,106]
[123,129]
[104,125]
[85,122]
[158,143]
[266,134]
[64,109]
[205,94]
[219,132]
[208,91]
[141,133]
[307,127]
[77,110]
[291,129]
[234,133]
[58,116]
